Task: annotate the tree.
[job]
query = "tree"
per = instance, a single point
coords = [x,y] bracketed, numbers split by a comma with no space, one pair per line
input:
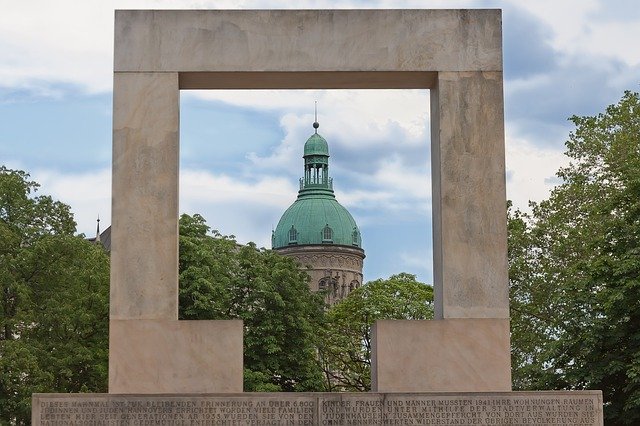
[220,279]
[575,268]
[54,301]
[345,347]
[532,313]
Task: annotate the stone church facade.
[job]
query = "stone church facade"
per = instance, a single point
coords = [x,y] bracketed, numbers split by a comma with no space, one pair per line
[318,231]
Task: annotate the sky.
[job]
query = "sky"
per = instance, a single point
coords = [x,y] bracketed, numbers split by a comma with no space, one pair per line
[241,151]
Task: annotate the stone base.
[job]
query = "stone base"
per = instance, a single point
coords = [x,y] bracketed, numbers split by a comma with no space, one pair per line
[501,408]
[450,355]
[162,356]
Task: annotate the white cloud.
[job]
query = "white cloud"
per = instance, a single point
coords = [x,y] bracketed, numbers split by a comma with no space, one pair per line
[205,186]
[392,188]
[579,30]
[244,208]
[366,116]
[613,39]
[531,171]
[376,132]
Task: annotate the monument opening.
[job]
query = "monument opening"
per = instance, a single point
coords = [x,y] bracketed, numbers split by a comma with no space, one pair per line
[242,165]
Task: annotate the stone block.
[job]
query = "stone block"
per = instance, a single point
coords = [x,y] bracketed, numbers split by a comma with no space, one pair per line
[469,207]
[159,356]
[451,355]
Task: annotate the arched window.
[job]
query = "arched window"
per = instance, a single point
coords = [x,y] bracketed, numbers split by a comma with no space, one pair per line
[327,283]
[322,285]
[293,235]
[356,237]
[330,288]
[327,234]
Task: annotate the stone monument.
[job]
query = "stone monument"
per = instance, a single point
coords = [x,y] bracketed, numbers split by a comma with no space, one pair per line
[453,370]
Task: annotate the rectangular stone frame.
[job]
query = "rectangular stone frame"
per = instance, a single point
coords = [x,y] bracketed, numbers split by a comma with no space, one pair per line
[457,54]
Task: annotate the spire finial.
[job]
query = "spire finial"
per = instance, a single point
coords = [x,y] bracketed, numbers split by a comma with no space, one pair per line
[98,230]
[315,123]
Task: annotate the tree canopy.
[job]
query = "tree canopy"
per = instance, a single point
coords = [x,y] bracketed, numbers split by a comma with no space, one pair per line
[575,269]
[54,290]
[345,347]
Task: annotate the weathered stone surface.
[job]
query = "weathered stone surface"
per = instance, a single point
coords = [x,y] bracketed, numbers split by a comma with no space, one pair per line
[308,40]
[509,408]
[451,355]
[338,268]
[160,356]
[144,232]
[468,178]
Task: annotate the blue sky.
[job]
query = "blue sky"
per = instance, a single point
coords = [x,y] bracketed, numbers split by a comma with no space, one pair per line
[241,151]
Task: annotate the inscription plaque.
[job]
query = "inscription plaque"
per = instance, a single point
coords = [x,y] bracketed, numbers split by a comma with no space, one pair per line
[502,408]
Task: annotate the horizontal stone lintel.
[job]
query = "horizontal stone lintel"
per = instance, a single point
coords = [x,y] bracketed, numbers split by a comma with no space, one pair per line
[521,408]
[308,40]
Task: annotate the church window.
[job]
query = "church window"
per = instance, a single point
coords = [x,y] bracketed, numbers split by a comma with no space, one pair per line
[293,235]
[327,234]
[356,237]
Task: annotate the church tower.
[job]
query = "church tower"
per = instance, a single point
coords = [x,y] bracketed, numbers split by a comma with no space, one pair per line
[319,232]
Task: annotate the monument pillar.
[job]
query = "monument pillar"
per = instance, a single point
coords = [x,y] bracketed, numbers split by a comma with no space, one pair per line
[468,196]
[144,256]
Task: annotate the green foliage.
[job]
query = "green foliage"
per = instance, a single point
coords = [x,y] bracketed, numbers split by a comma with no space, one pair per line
[53,301]
[345,348]
[220,279]
[575,269]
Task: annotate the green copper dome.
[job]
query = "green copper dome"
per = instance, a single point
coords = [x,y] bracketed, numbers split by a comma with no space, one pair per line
[316,217]
[316,220]
[316,145]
